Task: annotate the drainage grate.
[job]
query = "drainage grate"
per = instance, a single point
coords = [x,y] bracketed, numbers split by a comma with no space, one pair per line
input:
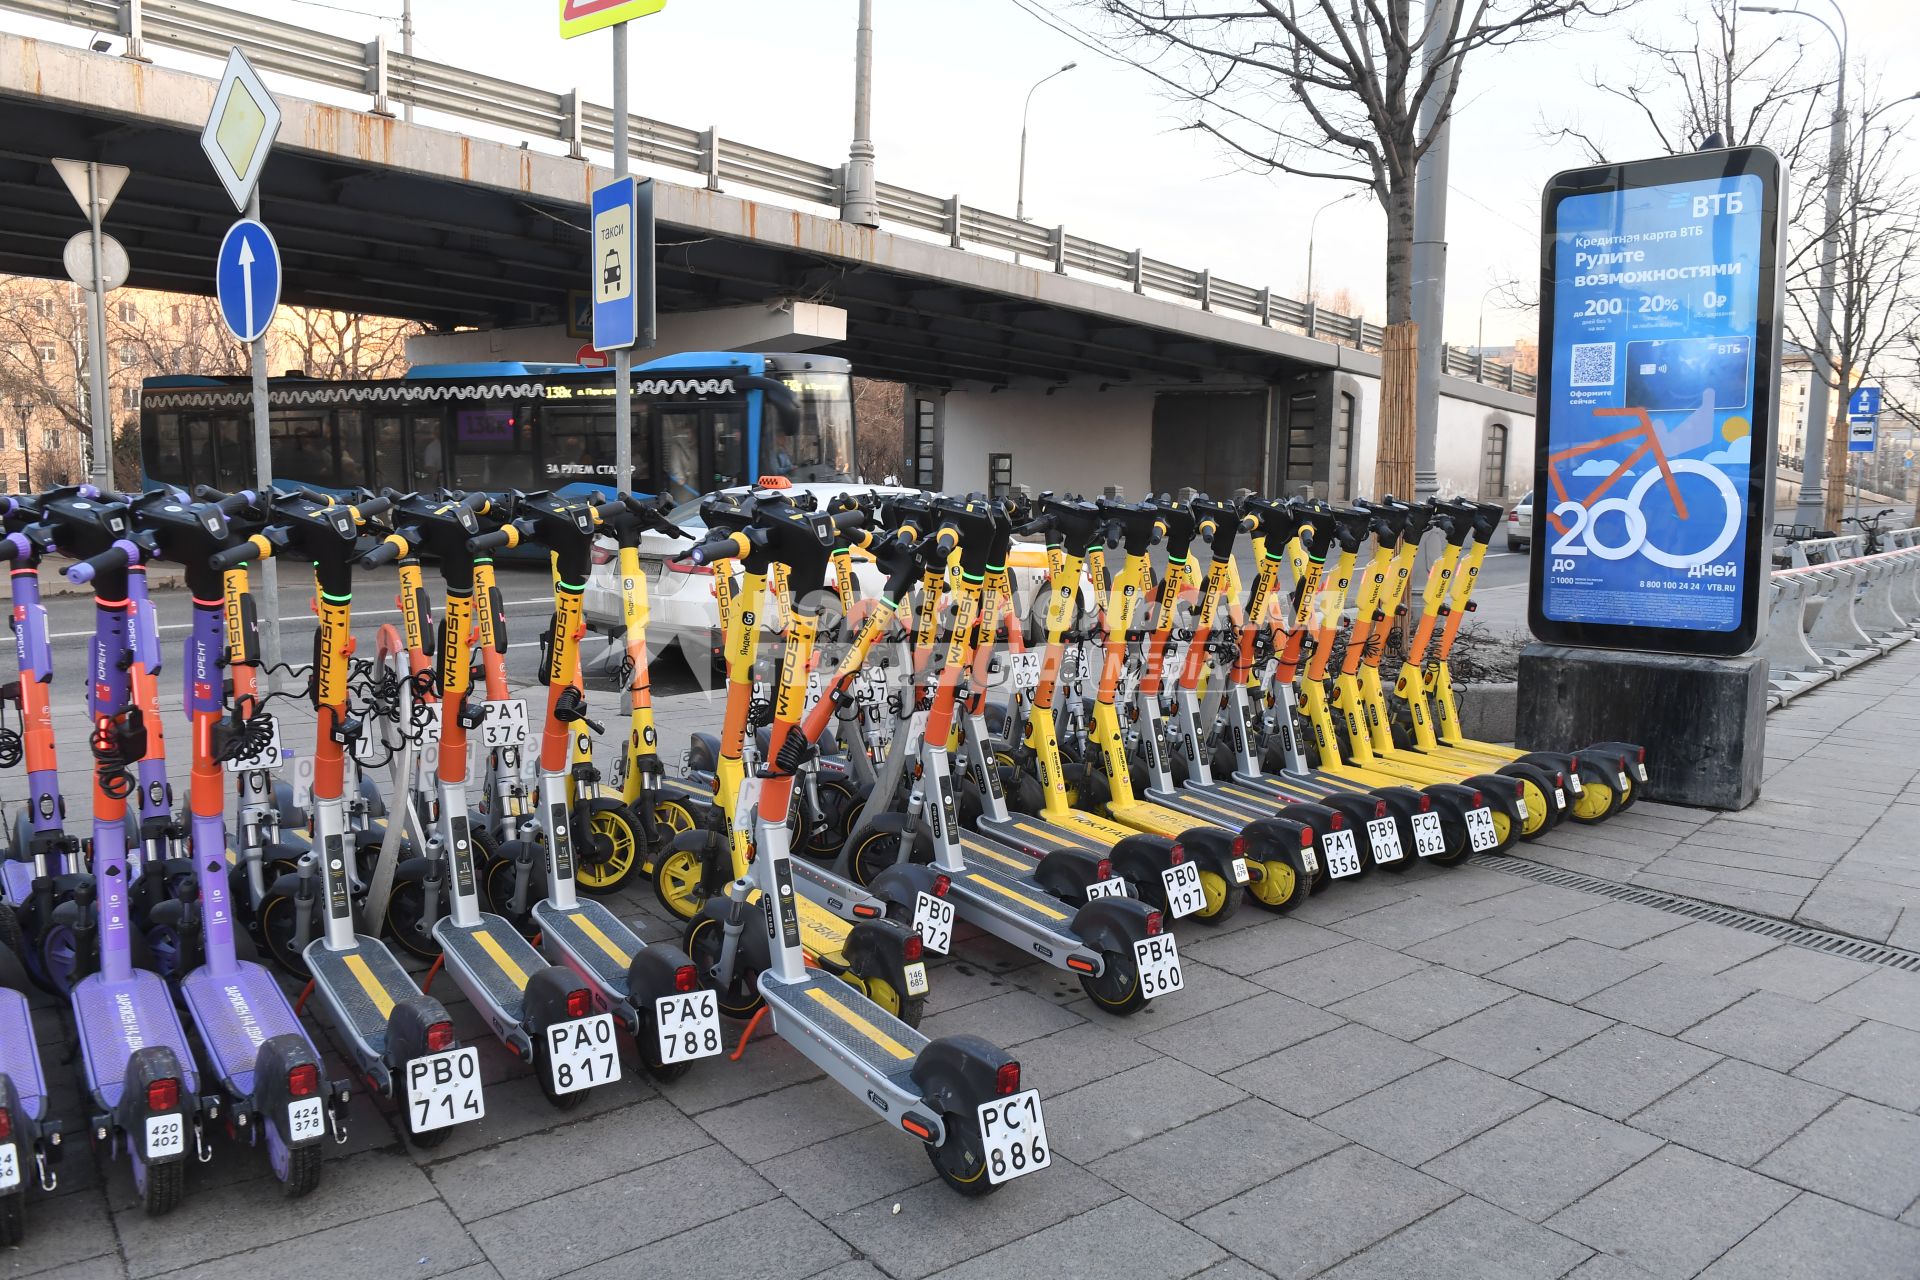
[1833,944]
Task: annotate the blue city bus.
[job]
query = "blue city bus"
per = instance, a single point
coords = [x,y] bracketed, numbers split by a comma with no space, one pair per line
[701,421]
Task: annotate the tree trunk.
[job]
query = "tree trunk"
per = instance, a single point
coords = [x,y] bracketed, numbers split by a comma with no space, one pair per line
[1400,251]
[1837,456]
[1393,461]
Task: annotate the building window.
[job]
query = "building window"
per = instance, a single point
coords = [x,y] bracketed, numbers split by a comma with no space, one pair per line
[128,313]
[130,397]
[926,443]
[1493,464]
[999,475]
[128,357]
[1343,413]
[49,438]
[26,482]
[49,352]
[179,314]
[20,439]
[1296,474]
[44,306]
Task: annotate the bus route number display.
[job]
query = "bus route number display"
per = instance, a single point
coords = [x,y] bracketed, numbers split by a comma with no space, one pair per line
[1659,298]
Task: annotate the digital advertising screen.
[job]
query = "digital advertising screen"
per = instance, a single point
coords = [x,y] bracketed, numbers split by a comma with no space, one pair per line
[1659,375]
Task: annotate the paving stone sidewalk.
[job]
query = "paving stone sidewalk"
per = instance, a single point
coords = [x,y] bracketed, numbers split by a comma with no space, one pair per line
[1453,1072]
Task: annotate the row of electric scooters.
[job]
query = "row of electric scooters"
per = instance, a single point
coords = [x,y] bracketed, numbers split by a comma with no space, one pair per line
[913,813]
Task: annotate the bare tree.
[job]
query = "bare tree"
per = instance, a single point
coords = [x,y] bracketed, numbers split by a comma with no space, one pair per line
[880,424]
[1331,89]
[344,344]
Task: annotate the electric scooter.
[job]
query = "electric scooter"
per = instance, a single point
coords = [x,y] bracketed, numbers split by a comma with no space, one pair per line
[29,1135]
[262,1058]
[544,1013]
[653,991]
[959,1095]
[401,1041]
[141,1079]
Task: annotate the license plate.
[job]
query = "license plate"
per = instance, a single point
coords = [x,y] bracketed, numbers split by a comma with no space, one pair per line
[1480,830]
[1013,1136]
[1428,839]
[1113,887]
[1640,771]
[1240,873]
[306,1118]
[1624,784]
[1024,668]
[1384,836]
[444,1089]
[504,723]
[1158,959]
[933,921]
[688,1026]
[1343,853]
[1576,786]
[917,979]
[1311,863]
[267,757]
[166,1136]
[1520,807]
[1184,894]
[9,1167]
[581,1053]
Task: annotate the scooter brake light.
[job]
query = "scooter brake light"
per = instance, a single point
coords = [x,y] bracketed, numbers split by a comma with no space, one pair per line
[1380,808]
[1478,800]
[913,950]
[6,1124]
[1240,846]
[1177,855]
[1103,869]
[1306,837]
[1426,802]
[1339,821]
[439,1037]
[579,1003]
[940,886]
[1156,923]
[1006,1080]
[303,1081]
[686,979]
[163,1095]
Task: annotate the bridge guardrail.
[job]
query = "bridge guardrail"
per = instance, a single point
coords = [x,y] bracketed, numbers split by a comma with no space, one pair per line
[1838,609]
[370,67]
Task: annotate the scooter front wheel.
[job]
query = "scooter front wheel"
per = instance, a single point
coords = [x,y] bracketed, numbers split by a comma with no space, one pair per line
[892,999]
[406,920]
[739,994]
[280,933]
[678,875]
[612,850]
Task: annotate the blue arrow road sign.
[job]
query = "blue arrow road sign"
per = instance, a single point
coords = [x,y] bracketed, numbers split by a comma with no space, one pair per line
[247,278]
[1864,403]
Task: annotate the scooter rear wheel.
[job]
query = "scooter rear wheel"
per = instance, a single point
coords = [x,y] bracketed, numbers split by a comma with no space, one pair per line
[1279,886]
[298,1168]
[13,1219]
[678,875]
[909,1009]
[961,1160]
[406,923]
[160,1187]
[615,846]
[1116,990]
[543,1072]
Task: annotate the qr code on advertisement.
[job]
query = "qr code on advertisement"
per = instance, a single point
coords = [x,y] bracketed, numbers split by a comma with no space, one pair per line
[1592,364]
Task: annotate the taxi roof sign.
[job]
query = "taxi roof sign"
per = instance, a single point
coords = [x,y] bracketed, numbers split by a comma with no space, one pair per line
[578,17]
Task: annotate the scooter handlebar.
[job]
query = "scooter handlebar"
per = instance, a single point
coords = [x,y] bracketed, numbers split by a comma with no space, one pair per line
[511,534]
[118,556]
[234,557]
[386,553]
[730,547]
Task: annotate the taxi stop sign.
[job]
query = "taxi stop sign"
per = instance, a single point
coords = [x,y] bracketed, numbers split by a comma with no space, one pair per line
[577,17]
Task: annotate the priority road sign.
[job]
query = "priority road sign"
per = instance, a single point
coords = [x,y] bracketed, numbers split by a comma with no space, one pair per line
[621,261]
[577,17]
[247,279]
[241,129]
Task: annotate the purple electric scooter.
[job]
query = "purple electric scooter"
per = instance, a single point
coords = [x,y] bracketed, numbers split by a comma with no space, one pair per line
[138,1070]
[260,1056]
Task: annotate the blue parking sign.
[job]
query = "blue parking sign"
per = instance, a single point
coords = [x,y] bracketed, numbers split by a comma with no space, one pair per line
[621,263]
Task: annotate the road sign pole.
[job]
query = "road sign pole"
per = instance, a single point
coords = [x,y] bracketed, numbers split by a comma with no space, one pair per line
[268,583]
[101,414]
[622,358]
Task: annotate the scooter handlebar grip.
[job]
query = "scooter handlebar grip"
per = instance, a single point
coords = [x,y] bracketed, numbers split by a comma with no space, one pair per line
[850,521]
[731,547]
[254,548]
[117,556]
[373,506]
[389,550]
[606,511]
[505,538]
[14,547]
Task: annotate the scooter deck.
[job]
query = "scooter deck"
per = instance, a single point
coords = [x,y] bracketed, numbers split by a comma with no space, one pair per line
[596,941]
[235,1015]
[1208,804]
[492,956]
[116,1018]
[849,1026]
[361,986]
[1015,908]
[1038,836]
[20,1053]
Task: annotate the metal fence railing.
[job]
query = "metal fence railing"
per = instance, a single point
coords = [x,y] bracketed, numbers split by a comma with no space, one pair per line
[1838,608]
[389,77]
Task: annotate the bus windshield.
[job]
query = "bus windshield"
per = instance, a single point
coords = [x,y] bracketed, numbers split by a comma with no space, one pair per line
[823,449]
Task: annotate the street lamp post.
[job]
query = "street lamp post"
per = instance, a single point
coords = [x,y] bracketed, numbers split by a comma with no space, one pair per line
[1313,226]
[1020,197]
[1812,507]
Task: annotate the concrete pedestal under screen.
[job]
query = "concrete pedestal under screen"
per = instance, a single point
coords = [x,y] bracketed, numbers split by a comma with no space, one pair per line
[1703,721]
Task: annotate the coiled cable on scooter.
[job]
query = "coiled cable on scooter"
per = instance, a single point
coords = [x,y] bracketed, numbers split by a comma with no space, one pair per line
[12,752]
[117,742]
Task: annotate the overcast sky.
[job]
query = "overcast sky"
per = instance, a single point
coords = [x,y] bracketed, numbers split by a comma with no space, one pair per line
[1106,156]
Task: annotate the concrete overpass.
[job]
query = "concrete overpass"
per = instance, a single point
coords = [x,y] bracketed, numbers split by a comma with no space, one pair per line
[1179,378]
